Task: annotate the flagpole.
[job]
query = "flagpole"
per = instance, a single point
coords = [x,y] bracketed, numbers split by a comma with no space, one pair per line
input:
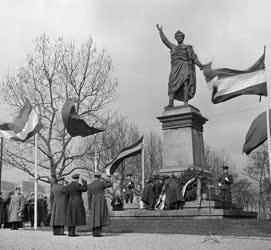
[36,184]
[268,133]
[143,163]
[267,103]
[95,156]
[1,160]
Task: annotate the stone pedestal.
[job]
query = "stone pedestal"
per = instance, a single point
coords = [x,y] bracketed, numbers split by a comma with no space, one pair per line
[183,146]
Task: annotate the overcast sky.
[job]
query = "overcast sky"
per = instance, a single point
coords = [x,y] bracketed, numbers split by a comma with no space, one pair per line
[229,33]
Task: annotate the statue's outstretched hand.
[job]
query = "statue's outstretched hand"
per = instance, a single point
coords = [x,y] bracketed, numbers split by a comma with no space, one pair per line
[204,66]
[159,28]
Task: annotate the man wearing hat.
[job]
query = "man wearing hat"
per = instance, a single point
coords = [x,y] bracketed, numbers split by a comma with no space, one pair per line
[58,199]
[129,189]
[224,184]
[76,215]
[99,215]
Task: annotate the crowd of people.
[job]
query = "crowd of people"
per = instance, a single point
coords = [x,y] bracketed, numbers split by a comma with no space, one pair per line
[16,209]
[67,206]
[163,192]
[167,192]
[159,192]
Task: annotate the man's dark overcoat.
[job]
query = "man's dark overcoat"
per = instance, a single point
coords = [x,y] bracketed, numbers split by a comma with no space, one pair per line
[99,215]
[148,194]
[171,189]
[59,202]
[76,214]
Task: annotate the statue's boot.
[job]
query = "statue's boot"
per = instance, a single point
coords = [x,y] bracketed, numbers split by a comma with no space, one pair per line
[171,101]
[186,93]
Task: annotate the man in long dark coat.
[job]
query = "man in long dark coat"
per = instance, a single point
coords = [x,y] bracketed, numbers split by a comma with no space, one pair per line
[99,215]
[158,185]
[1,210]
[76,214]
[31,205]
[224,184]
[6,214]
[148,194]
[58,199]
[171,190]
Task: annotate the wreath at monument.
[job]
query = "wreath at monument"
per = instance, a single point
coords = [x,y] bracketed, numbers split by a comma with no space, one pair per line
[191,190]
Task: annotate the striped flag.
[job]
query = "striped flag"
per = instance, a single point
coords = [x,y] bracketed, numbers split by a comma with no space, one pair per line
[132,150]
[226,83]
[25,125]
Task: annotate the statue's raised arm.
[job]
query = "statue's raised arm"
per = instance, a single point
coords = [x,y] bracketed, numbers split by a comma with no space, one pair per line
[163,37]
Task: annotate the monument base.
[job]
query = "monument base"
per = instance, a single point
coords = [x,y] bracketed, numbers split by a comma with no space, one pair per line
[183,145]
[195,213]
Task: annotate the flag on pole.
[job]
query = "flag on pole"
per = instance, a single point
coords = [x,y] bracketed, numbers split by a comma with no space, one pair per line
[74,124]
[257,133]
[25,125]
[132,150]
[226,83]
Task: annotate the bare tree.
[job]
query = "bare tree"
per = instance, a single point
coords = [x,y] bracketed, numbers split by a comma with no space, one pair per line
[119,134]
[216,160]
[53,73]
[153,152]
[258,171]
[243,192]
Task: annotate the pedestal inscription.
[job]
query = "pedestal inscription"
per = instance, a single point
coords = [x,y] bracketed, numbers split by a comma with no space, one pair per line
[182,138]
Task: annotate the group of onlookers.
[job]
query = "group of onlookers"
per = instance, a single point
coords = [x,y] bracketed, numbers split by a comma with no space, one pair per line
[159,192]
[166,192]
[163,192]
[16,209]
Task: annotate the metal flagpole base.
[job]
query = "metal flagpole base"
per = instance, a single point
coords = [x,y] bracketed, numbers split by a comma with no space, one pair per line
[210,237]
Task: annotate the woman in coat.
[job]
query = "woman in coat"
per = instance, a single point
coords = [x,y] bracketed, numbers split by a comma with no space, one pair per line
[99,215]
[58,207]
[16,208]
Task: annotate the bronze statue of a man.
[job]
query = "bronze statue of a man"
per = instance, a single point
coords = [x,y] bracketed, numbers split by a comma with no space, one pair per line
[182,78]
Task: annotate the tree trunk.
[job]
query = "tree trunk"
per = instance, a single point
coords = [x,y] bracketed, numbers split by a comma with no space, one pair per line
[122,178]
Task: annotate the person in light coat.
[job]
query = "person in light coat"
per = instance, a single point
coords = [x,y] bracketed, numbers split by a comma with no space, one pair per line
[16,208]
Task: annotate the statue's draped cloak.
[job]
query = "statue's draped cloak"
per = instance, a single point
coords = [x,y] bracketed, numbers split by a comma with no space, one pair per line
[182,69]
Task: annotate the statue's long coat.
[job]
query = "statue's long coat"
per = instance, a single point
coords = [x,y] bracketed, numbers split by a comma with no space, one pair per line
[99,215]
[183,60]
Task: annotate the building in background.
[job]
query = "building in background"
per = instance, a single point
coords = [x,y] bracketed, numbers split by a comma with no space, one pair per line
[27,187]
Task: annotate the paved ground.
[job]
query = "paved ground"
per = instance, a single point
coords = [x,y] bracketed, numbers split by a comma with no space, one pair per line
[35,240]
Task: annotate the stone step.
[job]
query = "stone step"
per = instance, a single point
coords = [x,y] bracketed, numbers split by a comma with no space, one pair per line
[196,213]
